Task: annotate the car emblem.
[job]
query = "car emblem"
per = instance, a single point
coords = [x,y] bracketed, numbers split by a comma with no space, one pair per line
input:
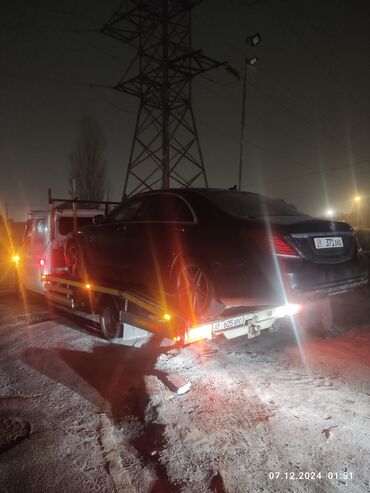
[332,226]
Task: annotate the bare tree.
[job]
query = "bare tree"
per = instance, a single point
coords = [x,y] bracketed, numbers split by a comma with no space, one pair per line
[88,166]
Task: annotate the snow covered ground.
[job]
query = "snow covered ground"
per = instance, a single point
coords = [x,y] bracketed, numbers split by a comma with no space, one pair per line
[267,414]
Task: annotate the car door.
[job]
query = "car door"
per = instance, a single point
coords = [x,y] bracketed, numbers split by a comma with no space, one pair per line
[109,243]
[156,236]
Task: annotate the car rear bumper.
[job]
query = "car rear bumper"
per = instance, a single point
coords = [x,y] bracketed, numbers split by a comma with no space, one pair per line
[309,279]
[293,280]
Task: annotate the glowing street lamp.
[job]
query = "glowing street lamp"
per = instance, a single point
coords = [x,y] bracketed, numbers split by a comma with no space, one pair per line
[358,200]
[330,213]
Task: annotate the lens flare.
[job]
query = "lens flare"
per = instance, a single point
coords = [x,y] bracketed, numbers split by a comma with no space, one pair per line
[280,277]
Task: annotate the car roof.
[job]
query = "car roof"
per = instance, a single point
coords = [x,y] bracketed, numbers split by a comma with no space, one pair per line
[189,191]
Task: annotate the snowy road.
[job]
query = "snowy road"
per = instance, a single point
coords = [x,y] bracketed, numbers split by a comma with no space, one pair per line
[263,415]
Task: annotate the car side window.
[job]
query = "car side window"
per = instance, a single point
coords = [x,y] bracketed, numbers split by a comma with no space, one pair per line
[167,208]
[126,212]
[27,232]
[40,230]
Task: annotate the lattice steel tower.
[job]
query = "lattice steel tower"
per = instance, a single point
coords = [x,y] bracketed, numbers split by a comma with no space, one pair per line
[165,150]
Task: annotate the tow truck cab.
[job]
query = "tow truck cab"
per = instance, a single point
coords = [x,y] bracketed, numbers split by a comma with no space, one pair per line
[42,248]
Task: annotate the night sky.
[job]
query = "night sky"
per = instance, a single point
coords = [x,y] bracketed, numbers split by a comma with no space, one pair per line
[308,105]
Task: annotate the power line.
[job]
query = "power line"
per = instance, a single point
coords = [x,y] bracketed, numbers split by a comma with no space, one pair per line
[321,172]
[313,55]
[7,27]
[293,112]
[53,80]
[67,13]
[273,153]
[277,85]
[363,160]
[258,119]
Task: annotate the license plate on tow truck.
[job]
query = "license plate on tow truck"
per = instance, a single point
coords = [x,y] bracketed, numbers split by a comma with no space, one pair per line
[328,242]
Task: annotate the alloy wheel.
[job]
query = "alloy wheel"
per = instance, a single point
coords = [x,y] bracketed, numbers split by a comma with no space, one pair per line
[193,288]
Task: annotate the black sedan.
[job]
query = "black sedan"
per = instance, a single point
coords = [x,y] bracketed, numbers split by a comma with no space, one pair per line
[205,250]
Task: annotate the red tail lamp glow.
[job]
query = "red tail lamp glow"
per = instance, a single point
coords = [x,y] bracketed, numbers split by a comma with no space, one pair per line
[42,262]
[199,333]
[281,247]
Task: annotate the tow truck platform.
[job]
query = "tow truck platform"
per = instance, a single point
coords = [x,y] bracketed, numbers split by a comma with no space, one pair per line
[124,314]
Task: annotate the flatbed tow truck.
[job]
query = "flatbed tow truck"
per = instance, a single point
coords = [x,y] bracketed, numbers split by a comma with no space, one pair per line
[124,315]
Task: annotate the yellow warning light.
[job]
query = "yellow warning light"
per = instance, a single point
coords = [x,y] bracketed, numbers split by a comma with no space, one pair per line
[16,258]
[167,316]
[88,285]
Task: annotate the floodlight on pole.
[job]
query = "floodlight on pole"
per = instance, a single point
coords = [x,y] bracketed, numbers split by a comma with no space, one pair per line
[254,40]
[249,41]
[252,61]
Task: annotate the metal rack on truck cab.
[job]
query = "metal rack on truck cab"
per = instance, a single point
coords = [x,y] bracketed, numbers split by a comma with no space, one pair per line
[45,235]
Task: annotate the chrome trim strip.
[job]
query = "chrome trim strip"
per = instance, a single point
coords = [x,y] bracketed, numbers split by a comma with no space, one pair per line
[328,234]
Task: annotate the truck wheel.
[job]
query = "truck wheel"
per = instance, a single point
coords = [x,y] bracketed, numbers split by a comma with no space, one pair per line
[196,291]
[109,320]
[75,261]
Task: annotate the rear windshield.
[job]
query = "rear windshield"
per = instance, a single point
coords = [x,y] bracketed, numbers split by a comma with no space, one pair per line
[66,224]
[244,204]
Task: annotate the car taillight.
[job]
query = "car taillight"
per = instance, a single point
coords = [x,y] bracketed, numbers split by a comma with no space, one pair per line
[282,247]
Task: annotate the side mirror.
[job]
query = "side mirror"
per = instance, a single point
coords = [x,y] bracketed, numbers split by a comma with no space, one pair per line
[99,219]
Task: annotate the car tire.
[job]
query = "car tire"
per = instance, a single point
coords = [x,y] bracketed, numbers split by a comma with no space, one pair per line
[196,292]
[75,261]
[109,320]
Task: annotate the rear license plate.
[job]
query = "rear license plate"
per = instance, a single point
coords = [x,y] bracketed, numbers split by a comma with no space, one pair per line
[333,242]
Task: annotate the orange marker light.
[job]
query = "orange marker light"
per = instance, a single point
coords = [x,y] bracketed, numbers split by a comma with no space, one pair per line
[88,286]
[16,258]
[167,316]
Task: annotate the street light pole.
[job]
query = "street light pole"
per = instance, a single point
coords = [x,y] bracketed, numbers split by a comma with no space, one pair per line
[252,41]
[242,126]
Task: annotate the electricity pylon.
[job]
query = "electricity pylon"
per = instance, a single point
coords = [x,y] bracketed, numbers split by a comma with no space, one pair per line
[165,150]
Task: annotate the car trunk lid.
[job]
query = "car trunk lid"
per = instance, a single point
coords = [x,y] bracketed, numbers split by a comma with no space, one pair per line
[321,241]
